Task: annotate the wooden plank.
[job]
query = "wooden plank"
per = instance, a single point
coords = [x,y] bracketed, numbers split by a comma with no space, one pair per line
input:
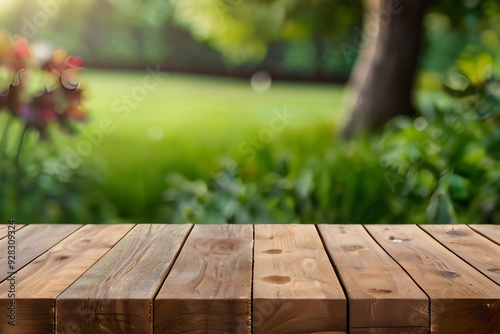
[116,294]
[4,228]
[209,288]
[380,293]
[31,242]
[389,330]
[478,251]
[295,289]
[462,299]
[41,281]
[491,232]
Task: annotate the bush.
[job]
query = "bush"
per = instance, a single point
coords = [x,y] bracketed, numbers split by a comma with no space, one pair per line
[440,167]
[36,94]
[448,157]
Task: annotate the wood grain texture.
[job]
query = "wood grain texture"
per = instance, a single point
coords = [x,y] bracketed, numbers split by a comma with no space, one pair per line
[462,299]
[295,289]
[209,287]
[116,295]
[31,242]
[4,228]
[390,330]
[478,251]
[41,281]
[380,293]
[491,232]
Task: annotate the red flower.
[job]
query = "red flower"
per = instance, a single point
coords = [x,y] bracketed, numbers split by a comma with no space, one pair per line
[61,103]
[21,48]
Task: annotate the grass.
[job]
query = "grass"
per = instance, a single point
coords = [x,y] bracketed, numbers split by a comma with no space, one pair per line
[186,124]
[194,125]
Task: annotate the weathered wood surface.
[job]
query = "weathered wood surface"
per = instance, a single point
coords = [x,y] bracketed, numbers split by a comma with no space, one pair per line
[491,232]
[462,299]
[295,288]
[380,293]
[31,242]
[478,251]
[41,281]
[209,287]
[4,228]
[389,330]
[116,294]
[147,278]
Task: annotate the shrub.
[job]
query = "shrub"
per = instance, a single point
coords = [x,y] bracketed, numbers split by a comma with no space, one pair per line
[439,167]
[34,94]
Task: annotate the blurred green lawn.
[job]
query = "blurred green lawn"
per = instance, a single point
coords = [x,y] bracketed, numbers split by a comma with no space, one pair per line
[187,123]
[192,125]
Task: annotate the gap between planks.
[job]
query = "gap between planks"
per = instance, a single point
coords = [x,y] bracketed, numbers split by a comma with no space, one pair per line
[339,277]
[4,229]
[472,247]
[463,300]
[323,243]
[120,287]
[39,283]
[31,242]
[428,316]
[491,232]
[380,292]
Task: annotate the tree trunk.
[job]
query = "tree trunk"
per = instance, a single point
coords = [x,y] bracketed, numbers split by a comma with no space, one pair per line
[382,79]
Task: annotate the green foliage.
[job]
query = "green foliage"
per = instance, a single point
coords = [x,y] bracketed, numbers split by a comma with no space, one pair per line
[34,95]
[324,185]
[441,167]
[45,192]
[198,119]
[195,35]
[449,155]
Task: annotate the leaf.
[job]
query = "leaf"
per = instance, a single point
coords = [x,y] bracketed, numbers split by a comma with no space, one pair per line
[456,81]
[18,78]
[393,179]
[304,184]
[6,78]
[458,187]
[477,69]
[440,209]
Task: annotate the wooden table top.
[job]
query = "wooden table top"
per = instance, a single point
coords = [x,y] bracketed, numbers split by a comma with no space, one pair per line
[161,278]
